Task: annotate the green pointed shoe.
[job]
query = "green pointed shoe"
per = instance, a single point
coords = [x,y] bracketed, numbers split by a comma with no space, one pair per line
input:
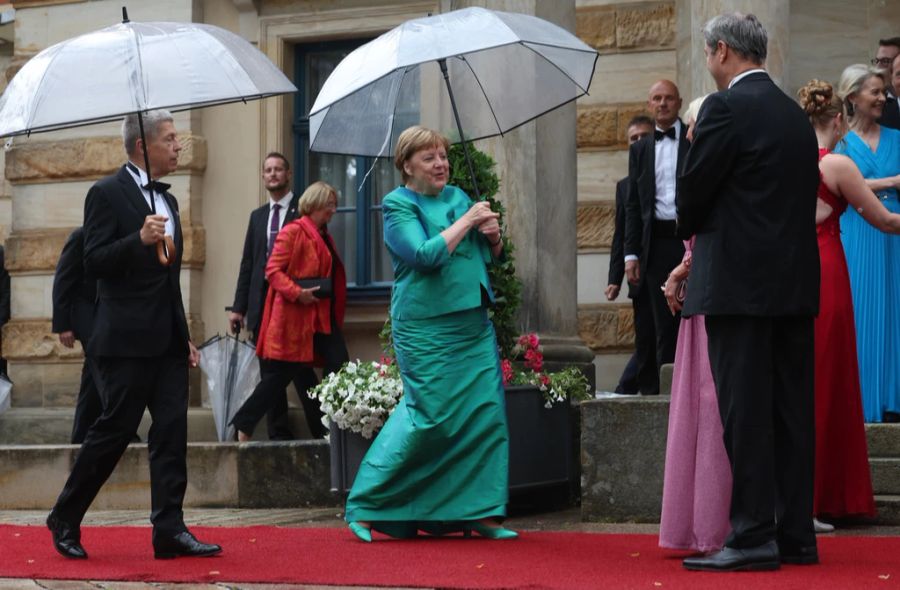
[361,532]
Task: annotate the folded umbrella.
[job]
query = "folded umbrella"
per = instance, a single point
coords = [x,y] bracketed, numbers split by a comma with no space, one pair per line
[232,372]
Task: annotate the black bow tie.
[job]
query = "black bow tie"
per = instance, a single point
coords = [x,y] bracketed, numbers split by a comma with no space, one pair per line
[154,185]
[157,187]
[670,133]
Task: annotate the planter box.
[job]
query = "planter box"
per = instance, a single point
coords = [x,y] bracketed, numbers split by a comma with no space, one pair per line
[540,444]
[540,440]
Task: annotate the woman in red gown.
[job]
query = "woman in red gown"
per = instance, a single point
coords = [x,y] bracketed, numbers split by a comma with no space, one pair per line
[843,485]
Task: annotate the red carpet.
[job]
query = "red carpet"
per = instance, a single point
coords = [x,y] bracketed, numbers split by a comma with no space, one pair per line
[335,557]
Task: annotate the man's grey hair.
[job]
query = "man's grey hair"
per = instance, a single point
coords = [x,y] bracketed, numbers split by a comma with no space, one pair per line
[131,131]
[742,33]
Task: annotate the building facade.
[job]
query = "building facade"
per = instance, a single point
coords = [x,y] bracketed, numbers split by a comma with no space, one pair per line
[558,173]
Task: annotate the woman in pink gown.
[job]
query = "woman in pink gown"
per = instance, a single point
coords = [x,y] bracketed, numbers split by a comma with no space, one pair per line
[697,479]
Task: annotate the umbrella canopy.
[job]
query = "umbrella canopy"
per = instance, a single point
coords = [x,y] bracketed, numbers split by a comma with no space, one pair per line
[505,69]
[232,372]
[133,67]
[5,393]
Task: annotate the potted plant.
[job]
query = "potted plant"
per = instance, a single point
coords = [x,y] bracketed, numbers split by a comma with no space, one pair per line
[356,401]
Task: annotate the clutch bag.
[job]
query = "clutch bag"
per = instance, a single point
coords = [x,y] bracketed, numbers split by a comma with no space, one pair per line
[324,284]
[681,291]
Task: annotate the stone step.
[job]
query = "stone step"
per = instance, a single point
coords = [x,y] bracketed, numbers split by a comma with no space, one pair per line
[623,448]
[220,475]
[888,506]
[883,440]
[53,426]
[885,475]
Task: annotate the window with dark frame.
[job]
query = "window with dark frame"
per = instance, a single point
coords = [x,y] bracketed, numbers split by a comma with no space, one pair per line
[361,182]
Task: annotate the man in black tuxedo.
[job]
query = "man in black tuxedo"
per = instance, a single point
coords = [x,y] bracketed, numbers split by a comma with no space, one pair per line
[890,116]
[641,368]
[250,294]
[140,342]
[652,249]
[748,193]
[74,294]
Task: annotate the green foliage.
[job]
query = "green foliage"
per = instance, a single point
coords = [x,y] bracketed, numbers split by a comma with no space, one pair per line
[507,287]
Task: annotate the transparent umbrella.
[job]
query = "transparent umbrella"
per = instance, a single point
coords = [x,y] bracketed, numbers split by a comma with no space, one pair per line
[5,393]
[500,69]
[134,68]
[232,372]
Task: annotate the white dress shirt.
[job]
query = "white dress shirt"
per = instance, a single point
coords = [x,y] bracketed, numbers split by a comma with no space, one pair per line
[284,202]
[666,172]
[743,75]
[162,208]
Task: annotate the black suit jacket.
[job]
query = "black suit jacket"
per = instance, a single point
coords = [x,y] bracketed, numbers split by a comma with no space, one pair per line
[748,192]
[641,201]
[617,250]
[250,293]
[74,293]
[139,308]
[890,117]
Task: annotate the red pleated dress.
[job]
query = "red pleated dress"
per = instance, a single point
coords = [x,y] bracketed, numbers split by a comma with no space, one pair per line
[843,485]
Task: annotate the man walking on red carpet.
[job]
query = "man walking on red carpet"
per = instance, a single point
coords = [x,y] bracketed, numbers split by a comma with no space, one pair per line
[140,341]
[748,193]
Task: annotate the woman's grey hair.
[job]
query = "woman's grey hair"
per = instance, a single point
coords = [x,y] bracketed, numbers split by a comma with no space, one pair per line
[742,33]
[131,131]
[852,79]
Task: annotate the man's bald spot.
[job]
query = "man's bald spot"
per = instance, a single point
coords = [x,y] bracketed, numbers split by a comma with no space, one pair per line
[664,86]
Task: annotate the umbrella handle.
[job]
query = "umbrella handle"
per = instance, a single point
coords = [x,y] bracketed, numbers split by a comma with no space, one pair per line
[165,251]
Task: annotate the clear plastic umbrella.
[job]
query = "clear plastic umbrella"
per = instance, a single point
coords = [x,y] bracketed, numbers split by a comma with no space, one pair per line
[501,70]
[232,372]
[5,393]
[134,68]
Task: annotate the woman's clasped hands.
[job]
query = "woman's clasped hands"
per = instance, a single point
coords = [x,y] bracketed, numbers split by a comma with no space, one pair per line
[487,221]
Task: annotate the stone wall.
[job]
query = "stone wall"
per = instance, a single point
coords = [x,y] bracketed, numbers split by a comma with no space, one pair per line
[636,42]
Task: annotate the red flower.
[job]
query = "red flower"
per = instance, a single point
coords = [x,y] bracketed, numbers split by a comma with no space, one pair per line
[534,360]
[545,380]
[507,370]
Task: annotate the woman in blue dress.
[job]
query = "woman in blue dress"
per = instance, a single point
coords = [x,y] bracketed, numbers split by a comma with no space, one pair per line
[873,258]
[441,462]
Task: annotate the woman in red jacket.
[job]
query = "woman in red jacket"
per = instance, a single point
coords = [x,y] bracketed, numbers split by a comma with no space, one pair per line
[304,312]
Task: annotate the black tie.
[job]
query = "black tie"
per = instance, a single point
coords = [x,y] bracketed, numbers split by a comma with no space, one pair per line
[153,185]
[670,133]
[158,187]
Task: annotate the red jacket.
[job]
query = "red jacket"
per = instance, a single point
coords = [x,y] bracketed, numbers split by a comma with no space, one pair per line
[287,328]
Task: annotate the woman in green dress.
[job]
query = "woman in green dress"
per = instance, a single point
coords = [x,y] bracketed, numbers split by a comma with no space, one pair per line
[441,462]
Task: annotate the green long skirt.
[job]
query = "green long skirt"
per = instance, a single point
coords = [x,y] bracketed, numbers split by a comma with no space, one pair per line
[443,454]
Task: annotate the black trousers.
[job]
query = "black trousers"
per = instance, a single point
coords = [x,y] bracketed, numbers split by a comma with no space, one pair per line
[645,377]
[763,368]
[277,374]
[130,385]
[278,422]
[665,254]
[88,405]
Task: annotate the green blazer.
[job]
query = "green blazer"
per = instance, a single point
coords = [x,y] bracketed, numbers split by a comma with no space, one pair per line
[428,280]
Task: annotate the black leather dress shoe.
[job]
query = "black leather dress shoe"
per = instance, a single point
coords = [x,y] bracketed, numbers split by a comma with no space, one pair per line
[66,538]
[182,545]
[799,556]
[761,558]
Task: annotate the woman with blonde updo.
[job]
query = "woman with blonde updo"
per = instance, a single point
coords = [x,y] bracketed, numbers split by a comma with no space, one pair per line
[871,255]
[842,482]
